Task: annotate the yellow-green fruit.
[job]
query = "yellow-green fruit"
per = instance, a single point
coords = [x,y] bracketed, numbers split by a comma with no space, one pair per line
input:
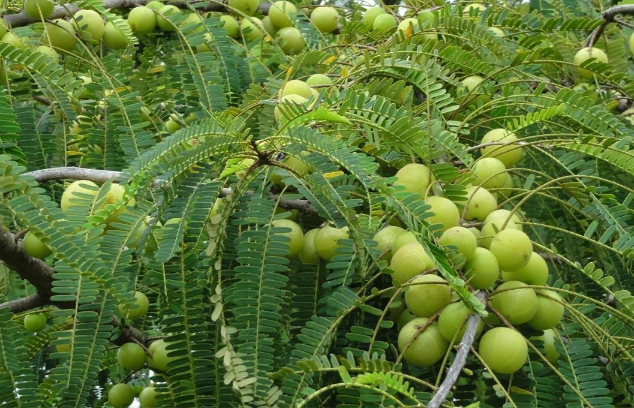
[503,350]
[161,20]
[422,348]
[371,14]
[60,35]
[549,349]
[131,356]
[247,7]
[11,38]
[516,301]
[195,22]
[415,178]
[296,87]
[147,397]
[79,190]
[461,239]
[290,40]
[502,215]
[386,237]
[269,27]
[230,25]
[172,125]
[325,19]
[115,196]
[296,99]
[46,50]
[113,38]
[550,310]
[452,322]
[482,270]
[490,230]
[480,203]
[403,239]
[445,212]
[405,317]
[535,272]
[318,79]
[489,173]
[512,248]
[631,43]
[34,247]
[121,395]
[39,9]
[295,235]
[497,32]
[503,147]
[308,254]
[430,294]
[3,28]
[89,25]
[384,22]
[327,241]
[35,322]
[280,13]
[585,54]
[252,29]
[475,7]
[142,20]
[410,260]
[139,307]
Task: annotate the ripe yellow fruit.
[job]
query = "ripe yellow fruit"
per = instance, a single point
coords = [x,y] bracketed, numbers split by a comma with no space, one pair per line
[585,54]
[89,25]
[78,190]
[503,147]
[59,34]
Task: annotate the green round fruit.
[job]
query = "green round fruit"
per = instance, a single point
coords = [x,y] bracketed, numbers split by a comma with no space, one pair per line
[319,80]
[172,125]
[452,322]
[39,9]
[142,20]
[89,25]
[296,99]
[280,13]
[430,294]
[155,5]
[408,26]
[409,261]
[139,307]
[497,32]
[269,27]
[325,19]
[512,248]
[131,356]
[386,237]
[231,26]
[475,7]
[482,270]
[461,239]
[516,301]
[535,272]
[550,310]
[159,359]
[490,230]
[403,239]
[502,215]
[296,87]
[3,28]
[35,322]
[247,7]
[12,39]
[115,195]
[384,22]
[585,54]
[425,348]
[290,40]
[371,14]
[631,42]
[194,21]
[296,235]
[121,395]
[503,350]
[163,23]
[252,29]
[34,247]
[308,254]
[46,50]
[327,241]
[426,18]
[415,178]
[445,212]
[75,190]
[147,397]
[508,153]
[489,173]
[113,38]
[480,203]
[60,35]
[549,349]
[405,317]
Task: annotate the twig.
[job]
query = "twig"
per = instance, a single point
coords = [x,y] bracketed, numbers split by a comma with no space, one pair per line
[459,362]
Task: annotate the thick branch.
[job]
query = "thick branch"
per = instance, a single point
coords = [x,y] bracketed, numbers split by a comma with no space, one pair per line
[101,176]
[609,16]
[25,303]
[21,19]
[459,362]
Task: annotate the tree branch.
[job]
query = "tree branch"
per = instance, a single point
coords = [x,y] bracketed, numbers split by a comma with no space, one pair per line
[609,16]
[25,303]
[21,19]
[440,395]
[101,176]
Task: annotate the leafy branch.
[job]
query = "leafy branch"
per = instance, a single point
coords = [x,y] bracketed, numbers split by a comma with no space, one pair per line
[609,16]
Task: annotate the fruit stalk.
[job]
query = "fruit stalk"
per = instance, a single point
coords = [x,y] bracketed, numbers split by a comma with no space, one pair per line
[459,362]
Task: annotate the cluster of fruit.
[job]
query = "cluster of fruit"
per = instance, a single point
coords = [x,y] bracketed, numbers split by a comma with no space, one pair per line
[499,249]
[299,92]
